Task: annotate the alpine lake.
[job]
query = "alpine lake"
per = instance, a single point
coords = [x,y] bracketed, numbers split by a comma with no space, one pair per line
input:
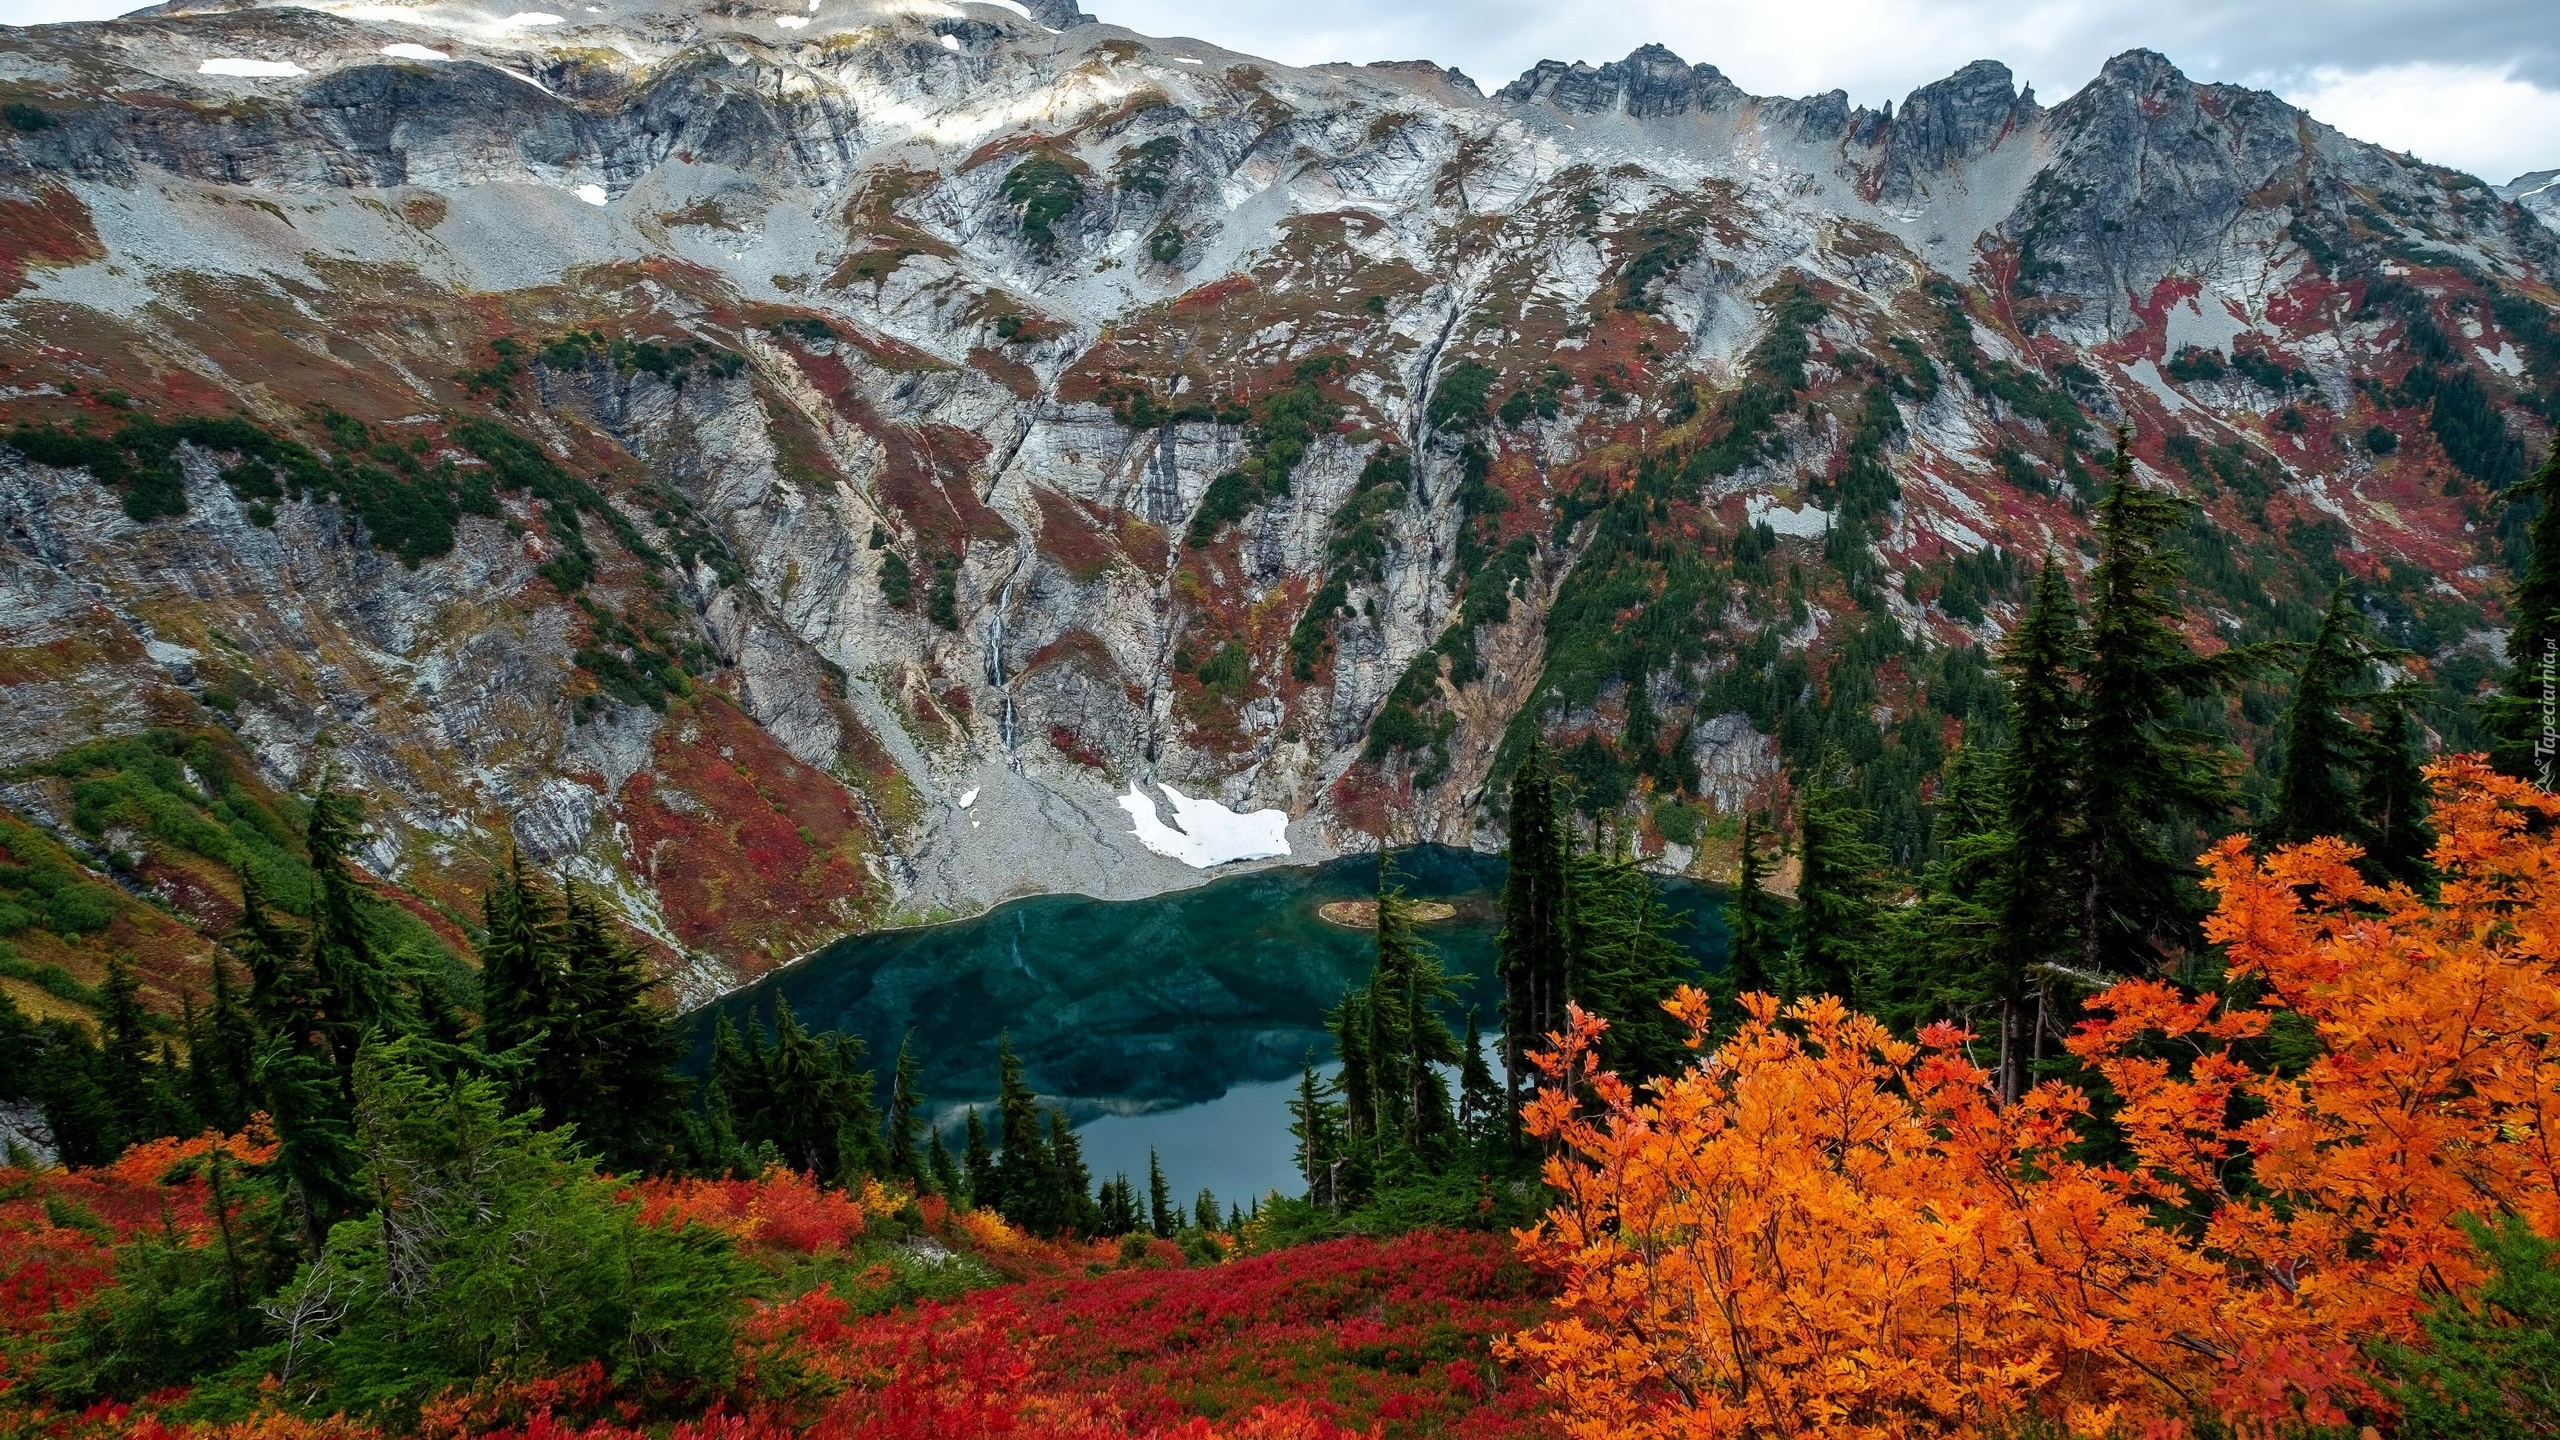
[1177,1023]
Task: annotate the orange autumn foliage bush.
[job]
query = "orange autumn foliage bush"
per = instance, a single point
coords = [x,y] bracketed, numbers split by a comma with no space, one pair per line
[1822,1230]
[781,1209]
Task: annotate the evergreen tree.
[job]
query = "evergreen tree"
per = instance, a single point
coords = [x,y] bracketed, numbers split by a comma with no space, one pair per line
[859,1148]
[64,1082]
[808,1097]
[1839,909]
[1624,963]
[2033,854]
[2317,788]
[520,987]
[740,1092]
[126,1072]
[1408,1038]
[2393,796]
[1536,919]
[944,1171]
[1204,1211]
[612,1050]
[1349,1022]
[1069,1204]
[978,1165]
[308,1097]
[2149,782]
[1161,1217]
[1117,1209]
[1755,920]
[1480,1101]
[2520,719]
[181,1308]
[221,1055]
[493,1250]
[1025,1188]
[803,1120]
[906,1115]
[358,987]
[1316,1124]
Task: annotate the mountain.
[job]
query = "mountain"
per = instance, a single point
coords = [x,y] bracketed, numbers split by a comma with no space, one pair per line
[798,469]
[2538,192]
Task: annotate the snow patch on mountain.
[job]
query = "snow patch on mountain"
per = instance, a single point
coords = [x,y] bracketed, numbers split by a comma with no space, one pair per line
[1205,833]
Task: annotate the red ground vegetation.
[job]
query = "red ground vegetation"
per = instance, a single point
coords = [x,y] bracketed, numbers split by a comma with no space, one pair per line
[1353,1338]
[761,854]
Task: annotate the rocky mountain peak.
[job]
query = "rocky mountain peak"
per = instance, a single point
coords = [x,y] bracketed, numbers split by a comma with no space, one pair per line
[1650,82]
[1057,14]
[1948,122]
[2538,192]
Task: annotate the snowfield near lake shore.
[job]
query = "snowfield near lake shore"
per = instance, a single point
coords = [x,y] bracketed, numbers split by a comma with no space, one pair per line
[1205,833]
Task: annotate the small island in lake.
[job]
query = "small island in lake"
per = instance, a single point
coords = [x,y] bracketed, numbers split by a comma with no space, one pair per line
[1363,914]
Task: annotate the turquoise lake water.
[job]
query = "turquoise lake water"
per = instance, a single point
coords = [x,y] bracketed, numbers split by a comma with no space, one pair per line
[1178,1022]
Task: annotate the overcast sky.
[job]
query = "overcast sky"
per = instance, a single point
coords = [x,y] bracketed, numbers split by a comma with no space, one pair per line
[2469,83]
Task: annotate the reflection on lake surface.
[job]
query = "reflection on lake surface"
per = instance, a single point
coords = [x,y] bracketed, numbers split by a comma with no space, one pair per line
[1140,1015]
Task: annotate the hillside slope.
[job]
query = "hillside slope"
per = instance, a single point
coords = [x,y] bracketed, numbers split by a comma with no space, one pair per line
[704,445]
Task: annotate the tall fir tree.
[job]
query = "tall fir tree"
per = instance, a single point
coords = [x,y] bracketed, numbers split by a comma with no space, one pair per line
[520,987]
[860,1151]
[1316,1124]
[308,1096]
[2521,719]
[1481,1101]
[1755,919]
[1948,952]
[945,1171]
[1349,1021]
[360,988]
[906,1115]
[2393,794]
[2035,853]
[127,1071]
[222,1052]
[1069,1205]
[1839,890]
[1624,963]
[2318,785]
[1025,1178]
[2151,785]
[1161,1216]
[1408,1037]
[617,1078]
[1536,919]
[978,1164]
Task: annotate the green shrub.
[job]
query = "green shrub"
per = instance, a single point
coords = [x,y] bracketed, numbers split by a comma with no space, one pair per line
[897,581]
[2490,1369]
[513,1259]
[1458,402]
[26,117]
[1144,169]
[942,602]
[1046,191]
[1226,669]
[1678,821]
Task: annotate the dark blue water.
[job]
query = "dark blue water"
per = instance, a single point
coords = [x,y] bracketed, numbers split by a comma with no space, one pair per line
[1176,1021]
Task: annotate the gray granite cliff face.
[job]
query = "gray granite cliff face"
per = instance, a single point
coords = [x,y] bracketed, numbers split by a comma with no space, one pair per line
[1650,82]
[1947,123]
